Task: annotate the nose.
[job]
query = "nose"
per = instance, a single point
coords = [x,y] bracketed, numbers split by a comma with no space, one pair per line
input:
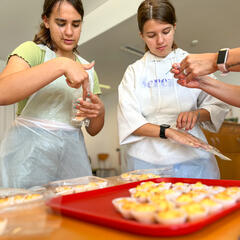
[160,39]
[68,30]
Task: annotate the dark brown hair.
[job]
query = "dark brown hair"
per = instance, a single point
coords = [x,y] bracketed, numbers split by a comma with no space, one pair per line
[161,10]
[43,36]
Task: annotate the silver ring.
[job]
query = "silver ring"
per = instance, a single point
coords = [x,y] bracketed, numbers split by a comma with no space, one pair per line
[185,72]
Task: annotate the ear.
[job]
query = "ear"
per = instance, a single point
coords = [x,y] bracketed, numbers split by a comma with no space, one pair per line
[141,35]
[175,27]
[46,21]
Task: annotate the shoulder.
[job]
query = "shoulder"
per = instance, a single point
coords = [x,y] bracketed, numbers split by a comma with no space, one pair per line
[178,55]
[137,65]
[180,51]
[30,52]
[132,73]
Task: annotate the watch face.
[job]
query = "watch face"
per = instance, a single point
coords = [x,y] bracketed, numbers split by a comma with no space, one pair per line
[221,56]
[165,125]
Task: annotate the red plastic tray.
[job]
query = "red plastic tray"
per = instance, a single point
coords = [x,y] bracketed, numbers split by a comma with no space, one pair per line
[96,206]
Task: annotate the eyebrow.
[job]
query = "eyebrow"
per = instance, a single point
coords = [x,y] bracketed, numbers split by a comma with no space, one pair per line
[162,30]
[63,20]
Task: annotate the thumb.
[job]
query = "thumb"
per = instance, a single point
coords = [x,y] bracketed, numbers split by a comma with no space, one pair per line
[88,66]
[94,98]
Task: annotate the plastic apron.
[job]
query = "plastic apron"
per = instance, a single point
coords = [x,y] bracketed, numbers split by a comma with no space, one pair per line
[150,94]
[42,146]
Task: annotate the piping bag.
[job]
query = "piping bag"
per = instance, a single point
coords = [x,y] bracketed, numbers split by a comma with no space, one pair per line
[204,146]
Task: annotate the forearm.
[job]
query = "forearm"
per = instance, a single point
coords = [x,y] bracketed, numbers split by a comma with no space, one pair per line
[233,60]
[223,91]
[203,115]
[96,124]
[19,85]
[209,62]
[148,130]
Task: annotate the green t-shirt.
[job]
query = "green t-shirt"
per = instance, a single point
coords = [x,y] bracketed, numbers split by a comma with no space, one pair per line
[34,55]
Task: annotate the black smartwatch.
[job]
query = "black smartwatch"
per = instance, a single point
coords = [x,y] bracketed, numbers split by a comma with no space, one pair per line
[163,127]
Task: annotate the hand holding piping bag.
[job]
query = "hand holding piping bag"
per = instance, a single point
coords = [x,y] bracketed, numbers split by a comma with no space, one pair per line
[91,107]
[185,138]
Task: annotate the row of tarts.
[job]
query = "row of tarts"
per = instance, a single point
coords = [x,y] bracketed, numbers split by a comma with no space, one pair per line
[174,203]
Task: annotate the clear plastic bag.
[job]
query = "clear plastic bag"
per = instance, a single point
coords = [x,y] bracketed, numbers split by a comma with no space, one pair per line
[76,185]
[76,120]
[14,198]
[24,213]
[203,146]
[144,174]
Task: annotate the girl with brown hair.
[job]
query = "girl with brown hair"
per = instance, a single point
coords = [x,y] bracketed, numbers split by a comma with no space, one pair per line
[42,76]
[153,107]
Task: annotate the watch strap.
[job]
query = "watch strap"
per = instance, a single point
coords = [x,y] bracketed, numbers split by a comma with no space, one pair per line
[162,130]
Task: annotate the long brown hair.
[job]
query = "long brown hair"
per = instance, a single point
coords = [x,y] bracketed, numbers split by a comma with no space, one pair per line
[43,36]
[161,10]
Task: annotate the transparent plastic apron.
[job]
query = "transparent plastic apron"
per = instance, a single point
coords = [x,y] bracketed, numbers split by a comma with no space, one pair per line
[42,146]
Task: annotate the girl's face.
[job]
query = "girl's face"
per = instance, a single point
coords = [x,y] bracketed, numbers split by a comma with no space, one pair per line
[65,25]
[159,37]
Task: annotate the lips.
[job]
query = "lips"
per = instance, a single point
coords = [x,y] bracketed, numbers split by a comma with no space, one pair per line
[161,48]
[68,41]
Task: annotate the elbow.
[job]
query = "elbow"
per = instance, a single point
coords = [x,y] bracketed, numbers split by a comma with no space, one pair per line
[93,133]
[5,102]
[8,99]
[5,98]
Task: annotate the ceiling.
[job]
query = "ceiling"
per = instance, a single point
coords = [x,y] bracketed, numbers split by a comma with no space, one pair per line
[20,20]
[214,23]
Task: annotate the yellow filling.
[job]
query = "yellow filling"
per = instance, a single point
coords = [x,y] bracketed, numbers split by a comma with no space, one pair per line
[170,214]
[193,208]
[184,198]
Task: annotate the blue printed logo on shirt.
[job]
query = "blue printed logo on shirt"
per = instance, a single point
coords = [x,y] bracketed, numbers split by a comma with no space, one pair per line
[164,83]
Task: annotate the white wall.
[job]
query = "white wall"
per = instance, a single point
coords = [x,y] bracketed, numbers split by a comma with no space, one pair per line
[107,140]
[2,65]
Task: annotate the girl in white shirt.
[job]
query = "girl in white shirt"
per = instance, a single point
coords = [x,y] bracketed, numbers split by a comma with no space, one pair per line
[149,96]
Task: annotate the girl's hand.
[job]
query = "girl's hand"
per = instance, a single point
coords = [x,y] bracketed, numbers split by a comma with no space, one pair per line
[77,76]
[90,109]
[184,138]
[188,120]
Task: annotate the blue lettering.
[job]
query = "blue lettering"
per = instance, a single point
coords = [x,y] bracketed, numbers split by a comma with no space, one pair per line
[150,84]
[164,82]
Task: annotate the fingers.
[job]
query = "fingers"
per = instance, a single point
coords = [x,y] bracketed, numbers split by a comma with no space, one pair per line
[178,72]
[77,76]
[190,140]
[187,120]
[88,66]
[73,85]
[86,88]
[92,108]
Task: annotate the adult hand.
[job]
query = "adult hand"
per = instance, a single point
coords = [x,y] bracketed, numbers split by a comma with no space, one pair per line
[182,78]
[197,82]
[187,120]
[90,109]
[77,76]
[195,65]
